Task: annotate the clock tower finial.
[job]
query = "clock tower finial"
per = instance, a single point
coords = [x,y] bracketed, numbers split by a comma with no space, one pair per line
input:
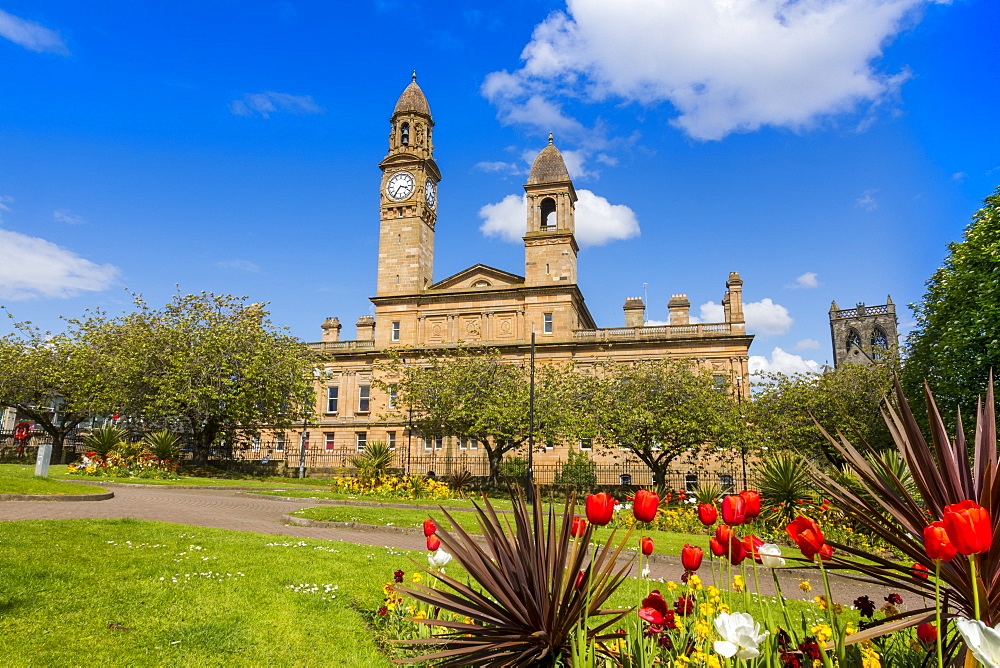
[414,76]
[550,139]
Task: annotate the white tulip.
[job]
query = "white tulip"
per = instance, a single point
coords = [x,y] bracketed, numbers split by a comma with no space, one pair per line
[438,559]
[982,640]
[740,635]
[770,555]
[645,572]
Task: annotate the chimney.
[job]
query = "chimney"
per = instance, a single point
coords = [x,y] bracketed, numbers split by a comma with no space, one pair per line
[680,310]
[366,328]
[635,312]
[331,329]
[733,301]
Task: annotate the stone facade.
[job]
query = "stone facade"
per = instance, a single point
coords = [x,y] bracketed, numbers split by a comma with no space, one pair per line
[863,334]
[483,305]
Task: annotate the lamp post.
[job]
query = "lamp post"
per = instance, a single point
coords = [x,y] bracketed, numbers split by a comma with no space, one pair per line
[303,441]
[743,447]
[530,474]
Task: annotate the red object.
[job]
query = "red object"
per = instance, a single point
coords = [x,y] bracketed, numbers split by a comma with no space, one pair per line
[578,527]
[707,514]
[22,430]
[430,528]
[919,571]
[433,543]
[654,608]
[737,550]
[807,535]
[936,542]
[752,545]
[752,500]
[691,556]
[646,544]
[600,508]
[926,633]
[969,527]
[718,549]
[734,510]
[579,578]
[645,505]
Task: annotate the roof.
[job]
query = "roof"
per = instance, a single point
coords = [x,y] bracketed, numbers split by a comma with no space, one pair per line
[412,99]
[548,166]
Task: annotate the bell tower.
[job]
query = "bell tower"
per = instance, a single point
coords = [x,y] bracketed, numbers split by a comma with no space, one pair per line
[408,198]
[549,245]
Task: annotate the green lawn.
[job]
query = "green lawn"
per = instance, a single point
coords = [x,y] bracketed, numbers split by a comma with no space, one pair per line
[498,503]
[21,479]
[188,596]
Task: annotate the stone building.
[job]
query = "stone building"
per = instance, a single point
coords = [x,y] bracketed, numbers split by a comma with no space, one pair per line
[863,334]
[488,306]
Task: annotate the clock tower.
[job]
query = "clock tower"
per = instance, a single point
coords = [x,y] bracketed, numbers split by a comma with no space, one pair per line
[408,198]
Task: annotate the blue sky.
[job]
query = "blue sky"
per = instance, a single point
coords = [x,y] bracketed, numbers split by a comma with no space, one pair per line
[825,149]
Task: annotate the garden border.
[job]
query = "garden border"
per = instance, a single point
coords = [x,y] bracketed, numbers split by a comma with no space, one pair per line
[58,497]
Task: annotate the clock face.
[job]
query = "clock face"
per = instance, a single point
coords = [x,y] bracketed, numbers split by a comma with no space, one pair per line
[400,185]
[430,192]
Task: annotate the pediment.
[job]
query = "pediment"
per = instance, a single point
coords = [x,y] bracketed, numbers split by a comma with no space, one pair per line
[479,277]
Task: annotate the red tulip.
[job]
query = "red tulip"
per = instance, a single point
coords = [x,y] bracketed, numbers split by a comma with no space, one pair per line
[600,508]
[691,557]
[433,543]
[653,608]
[752,501]
[718,549]
[927,633]
[579,578]
[752,545]
[936,542]
[430,528]
[645,505]
[708,514]
[647,545]
[969,527]
[723,533]
[807,535]
[734,510]
[578,527]
[919,571]
[737,550]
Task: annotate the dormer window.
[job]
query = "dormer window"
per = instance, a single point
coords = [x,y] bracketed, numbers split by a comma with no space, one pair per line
[404,134]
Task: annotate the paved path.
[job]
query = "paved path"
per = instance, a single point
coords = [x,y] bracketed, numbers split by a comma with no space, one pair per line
[224,508]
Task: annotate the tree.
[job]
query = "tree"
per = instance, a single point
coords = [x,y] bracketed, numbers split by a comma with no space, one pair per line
[477,394]
[846,400]
[956,343]
[658,410]
[58,381]
[209,366]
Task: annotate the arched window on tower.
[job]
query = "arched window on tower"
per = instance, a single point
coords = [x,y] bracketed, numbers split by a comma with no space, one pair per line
[548,211]
[853,340]
[404,134]
[880,343]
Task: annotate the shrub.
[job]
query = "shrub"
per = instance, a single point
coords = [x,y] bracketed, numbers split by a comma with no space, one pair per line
[579,471]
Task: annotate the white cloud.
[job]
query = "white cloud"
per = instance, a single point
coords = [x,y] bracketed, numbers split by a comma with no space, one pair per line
[782,362]
[959,176]
[68,217]
[724,65]
[767,318]
[598,221]
[4,201]
[710,312]
[807,344]
[242,265]
[36,268]
[31,35]
[867,201]
[266,103]
[498,166]
[806,280]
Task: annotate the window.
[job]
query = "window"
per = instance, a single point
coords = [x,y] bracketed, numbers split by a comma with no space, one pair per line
[390,439]
[332,394]
[279,442]
[435,443]
[880,343]
[361,440]
[586,444]
[548,211]
[549,445]
[547,268]
[395,331]
[546,323]
[393,394]
[255,444]
[305,441]
[466,443]
[404,134]
[364,398]
[331,440]
[853,339]
[719,383]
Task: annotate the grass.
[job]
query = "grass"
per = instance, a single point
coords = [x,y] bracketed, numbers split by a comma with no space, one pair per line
[21,479]
[498,503]
[71,588]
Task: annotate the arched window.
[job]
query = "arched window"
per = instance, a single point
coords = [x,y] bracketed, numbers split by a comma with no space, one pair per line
[548,211]
[404,134]
[880,343]
[853,340]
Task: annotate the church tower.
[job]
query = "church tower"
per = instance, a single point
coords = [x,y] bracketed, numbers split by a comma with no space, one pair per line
[549,246]
[408,198]
[863,334]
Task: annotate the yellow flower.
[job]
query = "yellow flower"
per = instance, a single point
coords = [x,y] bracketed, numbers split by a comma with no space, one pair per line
[890,610]
[870,658]
[421,614]
[671,586]
[417,576]
[805,585]
[823,632]
[712,661]
[820,601]
[702,628]
[694,581]
[388,588]
[705,610]
[712,591]
[738,584]
[724,608]
[837,608]
[850,629]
